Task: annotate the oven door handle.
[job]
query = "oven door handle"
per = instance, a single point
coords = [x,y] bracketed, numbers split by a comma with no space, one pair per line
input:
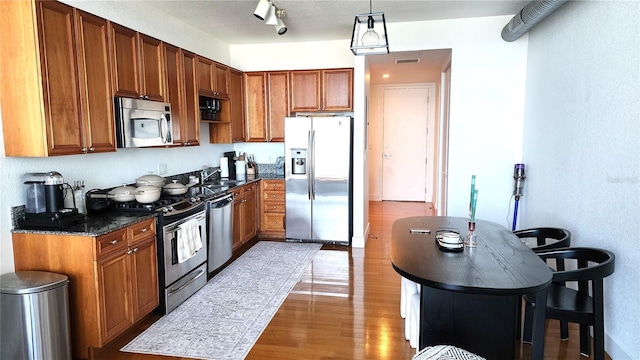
[174,227]
[173,291]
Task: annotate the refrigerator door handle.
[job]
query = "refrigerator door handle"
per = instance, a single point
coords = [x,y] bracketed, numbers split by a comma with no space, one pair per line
[309,185]
[312,172]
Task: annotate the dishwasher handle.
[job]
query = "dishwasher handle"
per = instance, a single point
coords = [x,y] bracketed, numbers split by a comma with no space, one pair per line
[221,201]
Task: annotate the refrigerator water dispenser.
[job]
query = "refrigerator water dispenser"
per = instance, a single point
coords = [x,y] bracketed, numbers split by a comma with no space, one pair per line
[299,161]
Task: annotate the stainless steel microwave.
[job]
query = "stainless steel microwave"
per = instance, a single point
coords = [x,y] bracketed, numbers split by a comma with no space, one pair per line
[142,123]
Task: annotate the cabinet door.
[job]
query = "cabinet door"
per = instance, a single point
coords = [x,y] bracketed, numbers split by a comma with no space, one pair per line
[125,61]
[236,102]
[305,90]
[250,212]
[238,209]
[114,288]
[95,83]
[221,89]
[255,104]
[60,78]
[174,91]
[278,90]
[192,109]
[205,76]
[337,90]
[152,69]
[144,277]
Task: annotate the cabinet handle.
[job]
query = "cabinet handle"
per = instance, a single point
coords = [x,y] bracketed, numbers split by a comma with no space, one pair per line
[275,222]
[113,242]
[129,252]
[275,207]
[275,196]
[135,250]
[144,230]
[84,150]
[92,149]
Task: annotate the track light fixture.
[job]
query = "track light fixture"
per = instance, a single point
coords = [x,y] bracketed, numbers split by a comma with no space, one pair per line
[262,9]
[267,11]
[369,34]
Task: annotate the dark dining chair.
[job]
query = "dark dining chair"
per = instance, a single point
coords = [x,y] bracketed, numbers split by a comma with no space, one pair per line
[546,238]
[589,268]
[541,239]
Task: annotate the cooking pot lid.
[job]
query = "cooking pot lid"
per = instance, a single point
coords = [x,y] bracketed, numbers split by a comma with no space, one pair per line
[123,190]
[175,185]
[150,177]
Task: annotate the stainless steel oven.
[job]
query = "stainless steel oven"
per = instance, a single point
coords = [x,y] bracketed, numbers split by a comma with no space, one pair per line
[180,280]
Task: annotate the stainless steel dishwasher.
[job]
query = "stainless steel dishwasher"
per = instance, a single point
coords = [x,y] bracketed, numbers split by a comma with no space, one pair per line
[220,231]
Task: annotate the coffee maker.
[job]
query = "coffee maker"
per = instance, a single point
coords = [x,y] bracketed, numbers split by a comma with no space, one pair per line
[231,163]
[44,208]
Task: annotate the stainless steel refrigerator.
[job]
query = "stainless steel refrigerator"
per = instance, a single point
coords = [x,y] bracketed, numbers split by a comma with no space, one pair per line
[318,176]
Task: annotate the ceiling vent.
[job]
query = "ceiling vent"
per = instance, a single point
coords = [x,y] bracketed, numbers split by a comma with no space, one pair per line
[407,61]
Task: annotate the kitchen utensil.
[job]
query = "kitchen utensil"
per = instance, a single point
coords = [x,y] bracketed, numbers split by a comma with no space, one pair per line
[147,194]
[175,188]
[150,179]
[122,193]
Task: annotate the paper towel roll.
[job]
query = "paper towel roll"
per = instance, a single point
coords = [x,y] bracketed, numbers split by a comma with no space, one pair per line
[241,167]
[224,167]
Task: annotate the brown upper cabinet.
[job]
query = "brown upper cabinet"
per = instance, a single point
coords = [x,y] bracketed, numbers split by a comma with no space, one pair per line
[212,78]
[321,90]
[236,102]
[138,66]
[256,106]
[182,95]
[55,89]
[267,104]
[278,104]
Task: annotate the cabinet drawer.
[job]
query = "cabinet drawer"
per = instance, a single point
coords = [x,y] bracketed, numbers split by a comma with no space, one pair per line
[273,207]
[273,185]
[277,196]
[142,230]
[111,242]
[272,222]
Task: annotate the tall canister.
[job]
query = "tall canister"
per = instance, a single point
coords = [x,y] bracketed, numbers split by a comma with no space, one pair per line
[35,316]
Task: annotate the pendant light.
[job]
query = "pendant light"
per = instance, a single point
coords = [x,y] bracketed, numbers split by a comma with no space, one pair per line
[369,34]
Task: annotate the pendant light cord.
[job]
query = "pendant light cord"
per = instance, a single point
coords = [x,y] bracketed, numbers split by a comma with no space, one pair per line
[370,7]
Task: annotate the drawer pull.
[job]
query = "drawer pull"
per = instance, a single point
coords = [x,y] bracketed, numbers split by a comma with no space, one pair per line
[113,242]
[144,230]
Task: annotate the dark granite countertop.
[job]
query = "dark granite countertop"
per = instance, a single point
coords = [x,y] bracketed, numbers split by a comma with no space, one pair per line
[95,225]
[100,224]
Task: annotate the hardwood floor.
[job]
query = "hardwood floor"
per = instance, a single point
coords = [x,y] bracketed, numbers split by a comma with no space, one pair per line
[346,306]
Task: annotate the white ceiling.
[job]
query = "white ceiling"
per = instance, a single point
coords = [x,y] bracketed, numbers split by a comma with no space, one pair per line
[314,20]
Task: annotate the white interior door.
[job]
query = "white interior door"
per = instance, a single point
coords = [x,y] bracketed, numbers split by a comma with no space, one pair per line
[404,149]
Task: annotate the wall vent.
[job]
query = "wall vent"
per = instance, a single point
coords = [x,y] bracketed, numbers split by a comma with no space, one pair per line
[407,61]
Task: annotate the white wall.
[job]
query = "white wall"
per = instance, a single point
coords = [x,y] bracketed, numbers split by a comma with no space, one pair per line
[487,101]
[582,145]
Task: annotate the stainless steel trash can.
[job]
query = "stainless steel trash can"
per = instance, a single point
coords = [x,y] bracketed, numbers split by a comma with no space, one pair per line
[35,316]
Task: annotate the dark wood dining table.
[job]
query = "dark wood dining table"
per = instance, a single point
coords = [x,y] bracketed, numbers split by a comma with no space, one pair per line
[470,298]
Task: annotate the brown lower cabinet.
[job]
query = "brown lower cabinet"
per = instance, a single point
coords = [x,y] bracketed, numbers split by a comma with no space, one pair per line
[272,209]
[113,279]
[245,210]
